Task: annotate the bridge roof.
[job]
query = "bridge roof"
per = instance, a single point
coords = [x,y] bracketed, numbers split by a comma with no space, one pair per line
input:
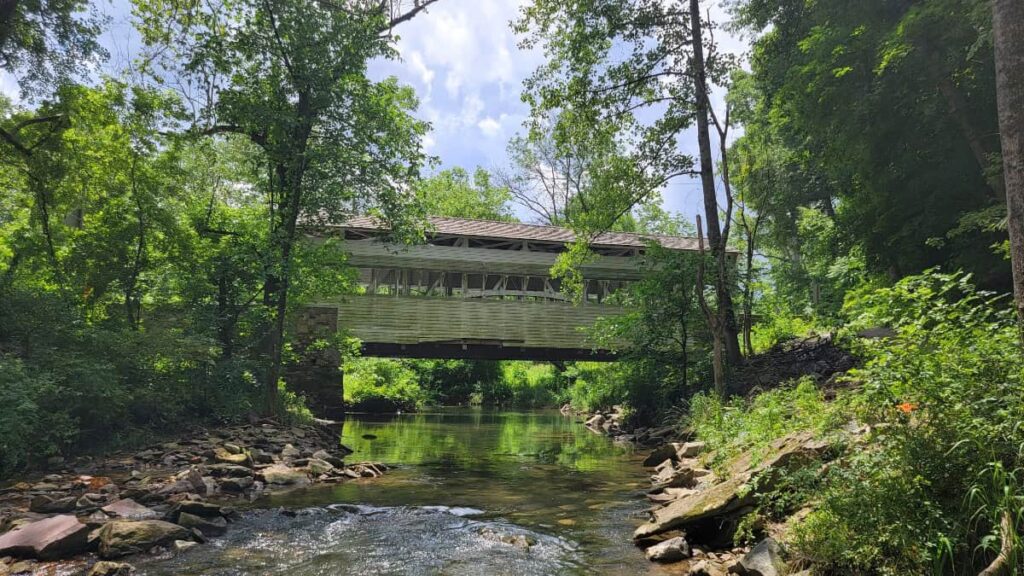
[497,230]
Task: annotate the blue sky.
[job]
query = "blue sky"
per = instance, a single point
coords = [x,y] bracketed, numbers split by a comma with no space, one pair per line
[462,59]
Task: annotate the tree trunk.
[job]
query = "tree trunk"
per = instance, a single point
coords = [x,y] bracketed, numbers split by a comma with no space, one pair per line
[748,295]
[958,110]
[717,244]
[714,320]
[225,317]
[1008,38]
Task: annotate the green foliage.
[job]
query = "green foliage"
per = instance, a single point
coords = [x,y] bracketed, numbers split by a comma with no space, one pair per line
[661,337]
[28,430]
[524,384]
[46,42]
[945,398]
[595,386]
[382,385]
[922,75]
[778,325]
[457,382]
[293,406]
[732,426]
[453,193]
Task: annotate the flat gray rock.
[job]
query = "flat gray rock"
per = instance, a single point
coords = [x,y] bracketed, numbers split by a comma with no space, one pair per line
[52,538]
[129,510]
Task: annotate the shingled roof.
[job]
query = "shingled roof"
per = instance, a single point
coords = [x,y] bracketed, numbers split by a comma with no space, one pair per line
[492,229]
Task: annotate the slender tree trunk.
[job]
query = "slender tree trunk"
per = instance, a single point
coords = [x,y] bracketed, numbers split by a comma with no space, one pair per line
[713,319]
[225,317]
[290,177]
[727,317]
[1008,38]
[132,302]
[748,294]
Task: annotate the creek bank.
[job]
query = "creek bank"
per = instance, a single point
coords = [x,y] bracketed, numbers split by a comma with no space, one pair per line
[165,497]
[698,512]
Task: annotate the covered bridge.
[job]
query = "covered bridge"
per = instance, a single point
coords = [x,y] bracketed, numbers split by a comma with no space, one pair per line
[475,289]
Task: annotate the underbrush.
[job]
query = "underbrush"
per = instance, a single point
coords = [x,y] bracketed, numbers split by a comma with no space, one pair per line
[382,385]
[935,484]
[594,386]
[730,427]
[945,399]
[69,388]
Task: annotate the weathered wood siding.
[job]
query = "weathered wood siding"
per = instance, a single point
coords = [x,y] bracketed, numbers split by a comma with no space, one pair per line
[416,320]
[373,254]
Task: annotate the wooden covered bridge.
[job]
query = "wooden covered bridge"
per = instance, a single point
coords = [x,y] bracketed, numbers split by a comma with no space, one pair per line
[475,289]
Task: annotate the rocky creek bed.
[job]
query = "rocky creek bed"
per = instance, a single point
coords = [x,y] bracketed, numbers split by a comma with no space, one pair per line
[92,515]
[696,512]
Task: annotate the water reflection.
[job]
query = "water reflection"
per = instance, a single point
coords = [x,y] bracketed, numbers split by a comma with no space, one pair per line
[536,472]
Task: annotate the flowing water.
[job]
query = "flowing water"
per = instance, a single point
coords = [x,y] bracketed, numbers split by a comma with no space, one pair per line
[471,492]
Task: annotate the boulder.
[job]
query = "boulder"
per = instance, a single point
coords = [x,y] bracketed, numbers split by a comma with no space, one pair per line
[317,466]
[46,504]
[194,476]
[107,568]
[236,484]
[595,421]
[714,501]
[660,454]
[123,537]
[229,470]
[223,456]
[207,526]
[705,568]
[734,493]
[203,509]
[690,450]
[328,457]
[671,478]
[290,452]
[129,509]
[765,559]
[176,487]
[57,537]
[284,475]
[672,550]
[260,457]
[182,545]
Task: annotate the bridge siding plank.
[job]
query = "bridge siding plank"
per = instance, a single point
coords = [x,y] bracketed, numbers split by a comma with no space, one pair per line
[373,254]
[414,320]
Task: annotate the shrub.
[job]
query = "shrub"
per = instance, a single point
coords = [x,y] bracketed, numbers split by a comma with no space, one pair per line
[739,424]
[382,385]
[946,401]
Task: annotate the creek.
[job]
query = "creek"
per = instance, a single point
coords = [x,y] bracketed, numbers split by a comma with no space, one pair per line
[469,489]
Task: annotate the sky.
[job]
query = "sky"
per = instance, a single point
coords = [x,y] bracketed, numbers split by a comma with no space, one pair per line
[463,60]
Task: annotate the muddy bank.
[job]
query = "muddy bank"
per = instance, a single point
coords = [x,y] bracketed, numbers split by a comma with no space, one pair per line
[165,497]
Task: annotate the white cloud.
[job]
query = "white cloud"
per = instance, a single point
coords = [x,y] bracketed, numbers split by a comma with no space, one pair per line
[428,143]
[469,50]
[489,126]
[472,106]
[421,69]
[452,83]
